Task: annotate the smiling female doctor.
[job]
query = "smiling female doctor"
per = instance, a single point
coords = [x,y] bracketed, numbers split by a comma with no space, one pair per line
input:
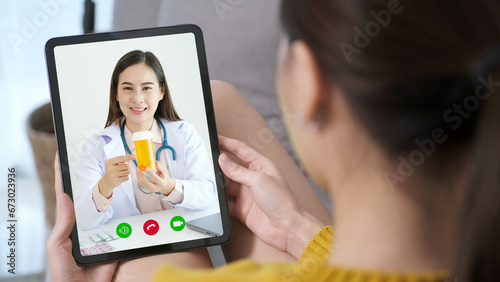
[108,182]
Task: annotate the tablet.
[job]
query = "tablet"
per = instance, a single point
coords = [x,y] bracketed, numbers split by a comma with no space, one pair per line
[137,141]
[210,224]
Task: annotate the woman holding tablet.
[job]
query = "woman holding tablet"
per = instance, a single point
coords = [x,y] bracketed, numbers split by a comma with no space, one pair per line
[109,183]
[393,108]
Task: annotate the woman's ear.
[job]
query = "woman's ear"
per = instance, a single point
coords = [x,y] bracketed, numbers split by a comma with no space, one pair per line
[310,95]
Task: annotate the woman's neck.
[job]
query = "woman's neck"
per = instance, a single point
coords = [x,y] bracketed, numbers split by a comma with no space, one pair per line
[381,228]
[137,127]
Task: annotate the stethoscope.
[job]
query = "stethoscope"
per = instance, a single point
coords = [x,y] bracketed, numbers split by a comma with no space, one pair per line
[164,146]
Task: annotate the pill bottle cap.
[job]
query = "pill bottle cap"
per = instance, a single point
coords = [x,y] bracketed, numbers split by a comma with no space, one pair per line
[142,135]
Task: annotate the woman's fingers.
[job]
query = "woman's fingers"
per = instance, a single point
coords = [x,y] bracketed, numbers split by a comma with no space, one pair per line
[121,167]
[151,180]
[153,177]
[121,170]
[58,177]
[119,163]
[237,172]
[141,178]
[65,212]
[244,152]
[117,170]
[163,170]
[150,183]
[122,159]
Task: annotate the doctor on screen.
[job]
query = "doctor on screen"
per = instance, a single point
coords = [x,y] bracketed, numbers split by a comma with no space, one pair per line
[108,182]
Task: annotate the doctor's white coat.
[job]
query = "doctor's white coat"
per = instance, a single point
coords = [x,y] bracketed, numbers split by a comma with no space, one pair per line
[194,170]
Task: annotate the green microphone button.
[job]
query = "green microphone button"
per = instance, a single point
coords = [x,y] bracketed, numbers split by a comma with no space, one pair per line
[123,230]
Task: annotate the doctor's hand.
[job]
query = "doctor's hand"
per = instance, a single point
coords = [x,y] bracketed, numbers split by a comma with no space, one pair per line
[156,182]
[61,262]
[116,172]
[264,201]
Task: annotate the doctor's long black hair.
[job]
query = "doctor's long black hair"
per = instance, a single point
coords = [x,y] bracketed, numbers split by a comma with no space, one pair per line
[165,107]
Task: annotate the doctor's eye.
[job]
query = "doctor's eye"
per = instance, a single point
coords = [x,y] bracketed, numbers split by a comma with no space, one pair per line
[127,88]
[147,88]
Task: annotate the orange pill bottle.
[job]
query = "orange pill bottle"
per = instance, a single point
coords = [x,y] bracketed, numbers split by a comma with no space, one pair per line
[144,150]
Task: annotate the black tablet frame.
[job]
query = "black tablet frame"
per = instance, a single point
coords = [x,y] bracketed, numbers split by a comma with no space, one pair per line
[209,109]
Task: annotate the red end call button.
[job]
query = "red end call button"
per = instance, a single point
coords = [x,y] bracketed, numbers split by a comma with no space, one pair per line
[151,227]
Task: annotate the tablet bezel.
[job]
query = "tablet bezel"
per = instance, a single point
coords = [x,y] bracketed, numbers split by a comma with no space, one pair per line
[210,115]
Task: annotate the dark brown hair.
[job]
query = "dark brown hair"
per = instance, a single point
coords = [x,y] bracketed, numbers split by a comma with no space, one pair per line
[404,67]
[165,107]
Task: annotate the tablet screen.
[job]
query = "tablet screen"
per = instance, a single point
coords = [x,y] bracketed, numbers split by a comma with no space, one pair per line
[137,141]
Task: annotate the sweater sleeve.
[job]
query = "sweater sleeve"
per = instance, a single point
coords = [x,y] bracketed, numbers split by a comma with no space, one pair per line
[320,246]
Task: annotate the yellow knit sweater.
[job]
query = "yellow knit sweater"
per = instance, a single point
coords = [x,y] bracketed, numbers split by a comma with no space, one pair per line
[312,266]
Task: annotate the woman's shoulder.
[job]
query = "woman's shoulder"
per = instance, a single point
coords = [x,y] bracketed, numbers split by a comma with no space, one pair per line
[105,135]
[178,125]
[110,131]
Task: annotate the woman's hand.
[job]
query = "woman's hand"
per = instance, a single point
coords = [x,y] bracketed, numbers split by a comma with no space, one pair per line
[116,172]
[263,200]
[61,262]
[156,182]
